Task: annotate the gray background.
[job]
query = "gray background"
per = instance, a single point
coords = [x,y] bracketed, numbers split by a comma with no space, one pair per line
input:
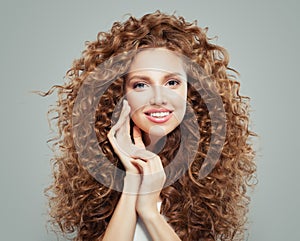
[40,39]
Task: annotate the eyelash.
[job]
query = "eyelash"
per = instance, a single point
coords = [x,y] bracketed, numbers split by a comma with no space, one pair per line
[136,85]
[177,82]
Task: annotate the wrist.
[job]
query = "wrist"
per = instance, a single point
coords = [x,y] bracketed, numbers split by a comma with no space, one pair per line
[149,214]
[131,183]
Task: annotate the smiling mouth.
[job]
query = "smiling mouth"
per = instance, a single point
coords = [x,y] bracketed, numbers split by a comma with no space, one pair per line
[158,116]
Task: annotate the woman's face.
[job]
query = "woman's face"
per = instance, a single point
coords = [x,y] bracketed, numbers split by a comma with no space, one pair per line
[156,90]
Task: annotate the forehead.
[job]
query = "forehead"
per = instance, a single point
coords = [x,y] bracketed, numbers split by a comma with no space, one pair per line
[157,59]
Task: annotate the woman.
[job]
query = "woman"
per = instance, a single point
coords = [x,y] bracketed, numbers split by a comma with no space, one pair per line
[144,145]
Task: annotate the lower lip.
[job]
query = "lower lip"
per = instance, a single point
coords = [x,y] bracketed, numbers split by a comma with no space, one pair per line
[159,120]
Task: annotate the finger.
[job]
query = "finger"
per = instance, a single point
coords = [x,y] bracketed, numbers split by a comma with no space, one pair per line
[153,180]
[140,164]
[123,137]
[124,130]
[124,157]
[112,137]
[137,137]
[145,154]
[148,167]
[115,129]
[123,115]
[113,143]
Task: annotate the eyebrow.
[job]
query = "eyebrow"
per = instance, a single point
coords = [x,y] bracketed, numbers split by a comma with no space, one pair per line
[146,78]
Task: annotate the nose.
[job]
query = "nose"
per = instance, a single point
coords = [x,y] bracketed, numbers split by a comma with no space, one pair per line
[158,96]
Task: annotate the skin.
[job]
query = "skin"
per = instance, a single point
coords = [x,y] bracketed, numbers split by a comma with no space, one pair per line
[147,89]
[156,83]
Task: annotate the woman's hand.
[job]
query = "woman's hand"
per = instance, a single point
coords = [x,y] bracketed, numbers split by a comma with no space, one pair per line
[145,177]
[144,170]
[119,138]
[153,179]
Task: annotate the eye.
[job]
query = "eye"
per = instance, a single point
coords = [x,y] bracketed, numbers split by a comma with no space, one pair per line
[173,83]
[139,85]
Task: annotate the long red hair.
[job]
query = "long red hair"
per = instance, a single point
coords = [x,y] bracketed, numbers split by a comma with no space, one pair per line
[211,208]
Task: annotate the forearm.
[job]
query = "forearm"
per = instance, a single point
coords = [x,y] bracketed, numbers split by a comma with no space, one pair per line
[158,228]
[123,222]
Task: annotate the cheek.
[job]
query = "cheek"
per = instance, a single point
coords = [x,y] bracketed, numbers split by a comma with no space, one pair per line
[180,111]
[183,97]
[180,98]
[180,104]
[136,101]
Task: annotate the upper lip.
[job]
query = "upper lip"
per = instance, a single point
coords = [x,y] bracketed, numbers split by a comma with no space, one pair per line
[157,110]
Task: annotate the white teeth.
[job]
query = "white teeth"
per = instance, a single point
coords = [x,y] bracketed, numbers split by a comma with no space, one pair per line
[159,114]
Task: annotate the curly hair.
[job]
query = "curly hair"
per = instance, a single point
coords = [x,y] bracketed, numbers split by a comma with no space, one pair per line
[211,208]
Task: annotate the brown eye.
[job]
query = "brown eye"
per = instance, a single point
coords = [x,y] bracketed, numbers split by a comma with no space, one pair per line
[173,82]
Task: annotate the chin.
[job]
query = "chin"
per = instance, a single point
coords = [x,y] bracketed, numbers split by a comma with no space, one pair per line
[157,131]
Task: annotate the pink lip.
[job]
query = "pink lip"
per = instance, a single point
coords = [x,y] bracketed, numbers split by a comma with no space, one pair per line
[160,119]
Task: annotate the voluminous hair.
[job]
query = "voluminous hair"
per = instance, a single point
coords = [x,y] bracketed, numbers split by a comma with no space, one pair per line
[209,208]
